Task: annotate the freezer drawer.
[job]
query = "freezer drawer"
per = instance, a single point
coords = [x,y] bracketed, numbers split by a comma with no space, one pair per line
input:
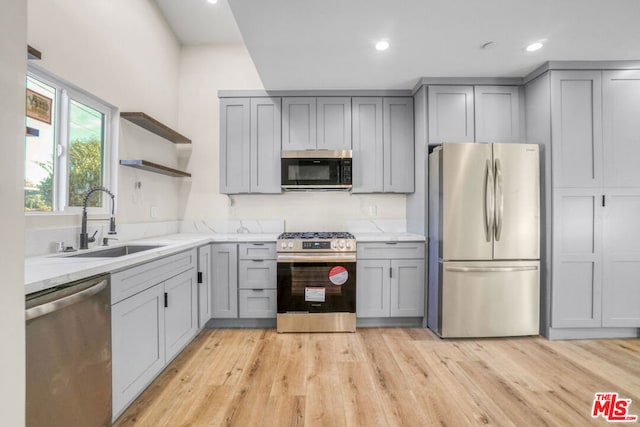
[489,299]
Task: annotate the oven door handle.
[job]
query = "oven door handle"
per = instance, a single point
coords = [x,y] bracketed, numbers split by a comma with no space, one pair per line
[316,258]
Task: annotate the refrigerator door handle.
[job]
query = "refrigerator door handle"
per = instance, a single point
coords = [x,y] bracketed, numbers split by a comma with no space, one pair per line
[489,201]
[490,269]
[499,209]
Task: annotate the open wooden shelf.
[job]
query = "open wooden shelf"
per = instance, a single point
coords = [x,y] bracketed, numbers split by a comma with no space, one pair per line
[152,125]
[33,53]
[154,167]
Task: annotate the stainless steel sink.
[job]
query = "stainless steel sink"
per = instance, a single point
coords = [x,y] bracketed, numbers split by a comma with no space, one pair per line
[116,251]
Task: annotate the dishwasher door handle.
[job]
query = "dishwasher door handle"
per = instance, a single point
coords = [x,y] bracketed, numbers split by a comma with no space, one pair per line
[50,307]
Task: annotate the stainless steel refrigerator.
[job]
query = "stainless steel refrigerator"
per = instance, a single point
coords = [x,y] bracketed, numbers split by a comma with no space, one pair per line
[484,240]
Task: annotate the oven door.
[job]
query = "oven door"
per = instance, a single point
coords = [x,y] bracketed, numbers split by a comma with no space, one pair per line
[301,173]
[317,283]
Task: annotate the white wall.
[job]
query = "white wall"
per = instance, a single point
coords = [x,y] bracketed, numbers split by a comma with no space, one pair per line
[12,87]
[123,52]
[206,69]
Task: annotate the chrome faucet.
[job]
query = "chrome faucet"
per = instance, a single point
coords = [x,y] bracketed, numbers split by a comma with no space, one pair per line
[84,237]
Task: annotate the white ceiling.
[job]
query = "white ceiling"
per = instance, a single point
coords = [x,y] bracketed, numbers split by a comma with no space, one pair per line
[329,44]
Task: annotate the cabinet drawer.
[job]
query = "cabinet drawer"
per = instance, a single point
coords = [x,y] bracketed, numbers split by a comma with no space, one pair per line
[257,274]
[257,250]
[133,280]
[258,303]
[391,250]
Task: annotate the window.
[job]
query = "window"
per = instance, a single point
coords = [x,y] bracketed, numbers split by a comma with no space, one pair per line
[74,151]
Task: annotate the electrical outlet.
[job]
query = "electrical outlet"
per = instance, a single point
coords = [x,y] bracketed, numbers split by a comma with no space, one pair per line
[373,210]
[153,212]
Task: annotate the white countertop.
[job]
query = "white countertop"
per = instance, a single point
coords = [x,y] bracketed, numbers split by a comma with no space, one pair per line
[43,272]
[389,237]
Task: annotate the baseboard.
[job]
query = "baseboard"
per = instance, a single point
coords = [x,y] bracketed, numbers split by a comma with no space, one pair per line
[391,322]
[592,333]
[241,323]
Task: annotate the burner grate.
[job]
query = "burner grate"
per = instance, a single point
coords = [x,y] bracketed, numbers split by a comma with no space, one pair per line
[316,235]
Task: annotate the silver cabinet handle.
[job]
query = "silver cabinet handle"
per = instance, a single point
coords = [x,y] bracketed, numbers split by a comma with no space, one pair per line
[59,304]
[499,201]
[490,269]
[489,201]
[257,260]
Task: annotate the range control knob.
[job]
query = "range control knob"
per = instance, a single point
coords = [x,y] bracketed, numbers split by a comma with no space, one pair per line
[341,244]
[290,245]
[284,245]
[334,244]
[348,244]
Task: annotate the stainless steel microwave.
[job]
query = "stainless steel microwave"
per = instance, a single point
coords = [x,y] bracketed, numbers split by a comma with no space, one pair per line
[316,170]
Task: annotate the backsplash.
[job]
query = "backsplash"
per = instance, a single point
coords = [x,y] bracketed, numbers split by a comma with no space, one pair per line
[232,226]
[42,241]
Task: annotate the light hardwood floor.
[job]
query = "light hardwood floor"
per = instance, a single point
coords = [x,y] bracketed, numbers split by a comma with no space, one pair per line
[385,377]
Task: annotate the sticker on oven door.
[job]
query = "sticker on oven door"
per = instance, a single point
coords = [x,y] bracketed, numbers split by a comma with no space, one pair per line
[338,275]
[314,294]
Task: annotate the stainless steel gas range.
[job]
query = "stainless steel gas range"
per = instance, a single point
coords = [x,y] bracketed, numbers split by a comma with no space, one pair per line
[316,282]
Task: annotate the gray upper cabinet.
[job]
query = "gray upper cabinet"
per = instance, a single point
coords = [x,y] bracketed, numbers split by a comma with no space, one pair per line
[383,145]
[498,114]
[265,145]
[234,145]
[250,136]
[451,115]
[334,123]
[368,152]
[621,128]
[299,123]
[310,123]
[397,119]
[576,128]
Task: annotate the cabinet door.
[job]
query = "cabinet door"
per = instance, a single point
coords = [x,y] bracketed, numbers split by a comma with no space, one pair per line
[398,144]
[137,336]
[621,270]
[368,153]
[334,123]
[373,288]
[576,272]
[234,145]
[298,123]
[258,303]
[497,114]
[621,128]
[204,285]
[181,312]
[451,114]
[266,125]
[407,287]
[225,280]
[576,128]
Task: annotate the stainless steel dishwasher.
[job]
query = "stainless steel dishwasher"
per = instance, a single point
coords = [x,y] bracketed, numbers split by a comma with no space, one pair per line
[68,334]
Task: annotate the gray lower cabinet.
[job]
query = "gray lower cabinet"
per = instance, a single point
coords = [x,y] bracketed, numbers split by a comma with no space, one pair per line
[225,280]
[250,137]
[244,280]
[390,279]
[205,285]
[316,123]
[153,317]
[257,279]
[383,146]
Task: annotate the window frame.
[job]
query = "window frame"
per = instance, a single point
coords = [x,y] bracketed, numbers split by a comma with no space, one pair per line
[65,93]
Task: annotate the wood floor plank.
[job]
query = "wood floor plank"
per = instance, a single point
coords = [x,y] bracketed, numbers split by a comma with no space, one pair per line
[385,377]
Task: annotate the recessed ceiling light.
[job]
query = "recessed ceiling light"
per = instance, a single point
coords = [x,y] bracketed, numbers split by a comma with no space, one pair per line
[212,1]
[382,45]
[534,46]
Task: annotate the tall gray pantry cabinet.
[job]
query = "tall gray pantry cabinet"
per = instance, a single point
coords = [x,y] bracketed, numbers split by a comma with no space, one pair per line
[588,121]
